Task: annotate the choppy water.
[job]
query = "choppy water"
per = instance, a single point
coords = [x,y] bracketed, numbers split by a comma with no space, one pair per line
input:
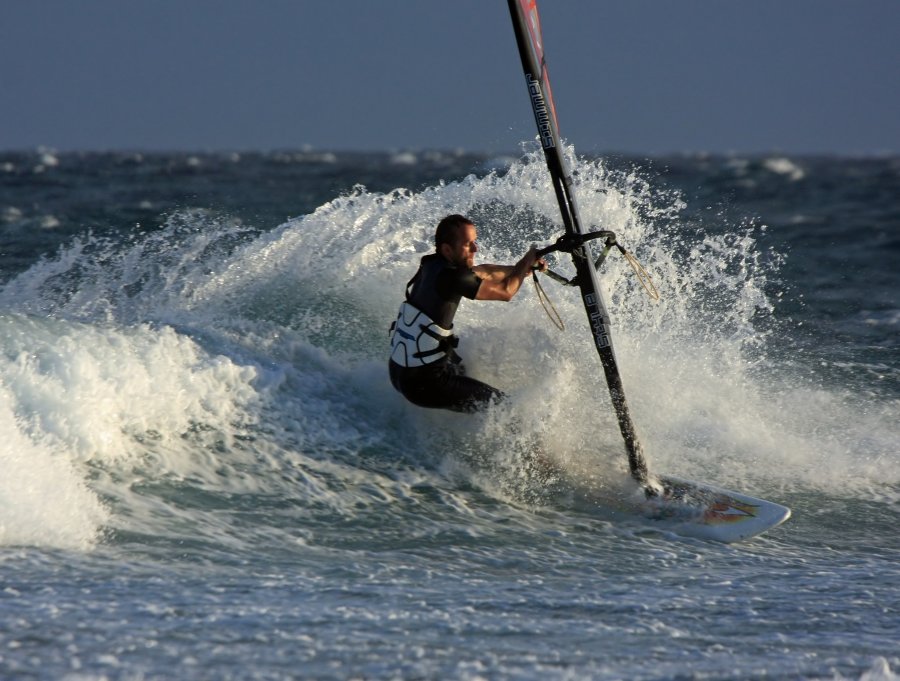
[206,473]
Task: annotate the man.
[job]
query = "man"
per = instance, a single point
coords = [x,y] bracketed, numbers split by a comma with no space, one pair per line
[424,365]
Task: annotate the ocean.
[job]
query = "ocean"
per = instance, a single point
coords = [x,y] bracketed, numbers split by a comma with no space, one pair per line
[207,475]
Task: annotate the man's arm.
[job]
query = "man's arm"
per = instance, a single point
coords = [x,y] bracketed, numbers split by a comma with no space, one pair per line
[502,282]
[492,272]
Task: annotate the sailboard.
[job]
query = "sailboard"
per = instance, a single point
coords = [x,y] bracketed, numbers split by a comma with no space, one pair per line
[685,507]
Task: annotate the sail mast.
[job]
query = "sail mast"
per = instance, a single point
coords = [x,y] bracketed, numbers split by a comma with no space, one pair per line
[527,27]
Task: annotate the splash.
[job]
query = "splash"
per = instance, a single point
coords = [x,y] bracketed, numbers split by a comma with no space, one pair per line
[211,357]
[44,499]
[85,405]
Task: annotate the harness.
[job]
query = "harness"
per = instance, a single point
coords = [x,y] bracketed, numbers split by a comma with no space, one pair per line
[416,339]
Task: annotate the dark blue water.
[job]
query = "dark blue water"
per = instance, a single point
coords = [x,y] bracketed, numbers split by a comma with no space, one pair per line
[208,475]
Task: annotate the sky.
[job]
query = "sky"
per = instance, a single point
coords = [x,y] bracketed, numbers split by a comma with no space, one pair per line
[629,76]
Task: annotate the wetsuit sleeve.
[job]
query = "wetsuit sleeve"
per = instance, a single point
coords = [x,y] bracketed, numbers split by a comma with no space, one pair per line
[455,281]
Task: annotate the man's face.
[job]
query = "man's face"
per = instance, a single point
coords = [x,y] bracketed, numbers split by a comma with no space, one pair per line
[462,251]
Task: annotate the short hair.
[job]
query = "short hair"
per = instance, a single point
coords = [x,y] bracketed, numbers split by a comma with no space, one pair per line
[448,229]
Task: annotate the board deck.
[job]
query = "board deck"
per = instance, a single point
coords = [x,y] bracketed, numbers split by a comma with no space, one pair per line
[707,512]
[682,507]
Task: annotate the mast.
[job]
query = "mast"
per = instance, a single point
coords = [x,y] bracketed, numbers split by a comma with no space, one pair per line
[527,27]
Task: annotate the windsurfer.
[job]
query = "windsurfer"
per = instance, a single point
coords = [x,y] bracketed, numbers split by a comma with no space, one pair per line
[424,366]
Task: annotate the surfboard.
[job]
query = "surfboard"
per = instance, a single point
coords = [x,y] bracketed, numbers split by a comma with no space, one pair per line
[688,507]
[678,506]
[708,512]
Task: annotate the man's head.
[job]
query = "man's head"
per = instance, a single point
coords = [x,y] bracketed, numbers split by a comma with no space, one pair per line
[455,238]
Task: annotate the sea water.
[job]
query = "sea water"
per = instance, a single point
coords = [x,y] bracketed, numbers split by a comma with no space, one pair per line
[207,475]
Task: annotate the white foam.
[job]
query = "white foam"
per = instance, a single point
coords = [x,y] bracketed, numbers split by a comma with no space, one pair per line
[44,500]
[49,222]
[263,369]
[48,159]
[11,214]
[784,166]
[706,398]
[84,403]
[404,158]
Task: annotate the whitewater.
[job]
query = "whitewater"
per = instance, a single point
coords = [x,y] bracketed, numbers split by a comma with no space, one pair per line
[208,475]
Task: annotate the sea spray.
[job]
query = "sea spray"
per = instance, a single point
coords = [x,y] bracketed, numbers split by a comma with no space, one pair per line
[289,511]
[225,358]
[44,499]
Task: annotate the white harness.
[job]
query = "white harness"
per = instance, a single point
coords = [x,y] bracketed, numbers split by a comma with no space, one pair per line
[417,340]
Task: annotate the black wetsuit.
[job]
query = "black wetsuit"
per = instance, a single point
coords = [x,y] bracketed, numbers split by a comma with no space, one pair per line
[436,290]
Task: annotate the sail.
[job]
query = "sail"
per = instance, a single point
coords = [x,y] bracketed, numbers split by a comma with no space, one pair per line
[527,26]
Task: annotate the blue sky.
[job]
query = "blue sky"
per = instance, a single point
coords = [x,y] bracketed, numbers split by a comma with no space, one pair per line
[640,76]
